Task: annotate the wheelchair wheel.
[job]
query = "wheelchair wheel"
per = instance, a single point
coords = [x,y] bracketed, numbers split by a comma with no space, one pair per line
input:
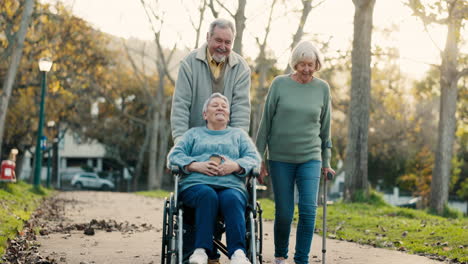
[165,232]
[169,243]
[259,234]
[254,236]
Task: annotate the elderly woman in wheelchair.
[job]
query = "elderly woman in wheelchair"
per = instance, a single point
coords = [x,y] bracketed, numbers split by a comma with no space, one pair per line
[216,159]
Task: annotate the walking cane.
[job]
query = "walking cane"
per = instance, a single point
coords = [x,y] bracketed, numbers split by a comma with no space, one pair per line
[329,176]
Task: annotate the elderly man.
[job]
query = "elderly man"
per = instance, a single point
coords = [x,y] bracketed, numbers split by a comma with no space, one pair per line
[207,70]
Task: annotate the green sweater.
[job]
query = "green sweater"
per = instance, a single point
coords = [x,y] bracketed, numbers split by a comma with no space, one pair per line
[295,125]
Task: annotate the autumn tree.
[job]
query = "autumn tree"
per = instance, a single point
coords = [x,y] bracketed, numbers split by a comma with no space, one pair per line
[14,42]
[453,14]
[79,56]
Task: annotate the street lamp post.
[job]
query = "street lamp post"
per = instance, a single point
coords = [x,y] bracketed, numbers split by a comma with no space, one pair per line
[44,66]
[50,126]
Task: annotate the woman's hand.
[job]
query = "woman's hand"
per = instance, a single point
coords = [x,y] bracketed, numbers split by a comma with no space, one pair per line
[325,171]
[263,173]
[228,167]
[209,168]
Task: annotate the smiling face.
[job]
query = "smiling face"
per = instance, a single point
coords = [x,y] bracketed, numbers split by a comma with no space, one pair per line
[305,70]
[217,113]
[220,43]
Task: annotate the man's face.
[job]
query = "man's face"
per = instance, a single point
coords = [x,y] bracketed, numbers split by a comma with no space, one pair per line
[220,43]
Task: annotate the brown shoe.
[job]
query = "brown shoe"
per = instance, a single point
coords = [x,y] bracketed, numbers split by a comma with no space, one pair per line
[213,261]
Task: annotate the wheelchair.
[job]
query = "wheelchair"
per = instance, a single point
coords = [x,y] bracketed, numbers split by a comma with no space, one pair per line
[175,227]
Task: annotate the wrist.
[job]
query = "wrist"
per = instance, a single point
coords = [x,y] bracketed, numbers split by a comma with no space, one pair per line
[189,168]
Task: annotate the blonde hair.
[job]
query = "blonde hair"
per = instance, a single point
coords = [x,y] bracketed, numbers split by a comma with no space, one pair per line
[303,51]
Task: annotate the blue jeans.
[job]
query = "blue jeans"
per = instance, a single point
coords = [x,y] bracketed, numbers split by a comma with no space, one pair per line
[307,178]
[207,201]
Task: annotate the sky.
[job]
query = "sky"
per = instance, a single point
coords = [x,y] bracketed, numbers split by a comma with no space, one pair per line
[333,19]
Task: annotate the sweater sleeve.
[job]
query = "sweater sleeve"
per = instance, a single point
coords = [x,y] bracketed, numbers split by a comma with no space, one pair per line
[180,153]
[181,102]
[325,130]
[249,158]
[240,105]
[267,118]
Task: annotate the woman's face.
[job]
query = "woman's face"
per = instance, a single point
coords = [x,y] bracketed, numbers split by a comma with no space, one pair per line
[305,69]
[217,112]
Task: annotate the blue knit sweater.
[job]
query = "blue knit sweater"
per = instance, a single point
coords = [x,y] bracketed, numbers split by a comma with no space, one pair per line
[199,143]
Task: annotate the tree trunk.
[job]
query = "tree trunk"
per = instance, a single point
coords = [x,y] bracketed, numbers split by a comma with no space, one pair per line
[262,90]
[141,157]
[447,121]
[356,151]
[306,8]
[14,64]
[239,19]
[163,144]
[152,174]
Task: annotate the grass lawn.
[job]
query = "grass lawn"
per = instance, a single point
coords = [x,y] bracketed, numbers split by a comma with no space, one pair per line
[385,226]
[156,194]
[18,201]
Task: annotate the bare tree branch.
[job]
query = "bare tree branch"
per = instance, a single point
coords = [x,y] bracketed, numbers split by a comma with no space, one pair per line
[318,4]
[114,104]
[225,8]
[462,73]
[213,10]
[141,77]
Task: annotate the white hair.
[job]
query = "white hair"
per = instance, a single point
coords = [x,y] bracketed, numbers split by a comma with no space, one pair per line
[221,23]
[213,96]
[305,50]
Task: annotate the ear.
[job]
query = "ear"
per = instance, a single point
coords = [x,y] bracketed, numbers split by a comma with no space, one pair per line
[205,117]
[207,36]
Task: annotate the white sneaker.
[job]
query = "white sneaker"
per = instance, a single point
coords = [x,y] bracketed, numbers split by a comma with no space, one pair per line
[198,257]
[239,257]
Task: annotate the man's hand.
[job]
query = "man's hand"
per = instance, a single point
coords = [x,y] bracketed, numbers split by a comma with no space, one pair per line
[209,168]
[228,167]
[263,173]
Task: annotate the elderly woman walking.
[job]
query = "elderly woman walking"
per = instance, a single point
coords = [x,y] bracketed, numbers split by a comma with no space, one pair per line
[295,129]
[214,184]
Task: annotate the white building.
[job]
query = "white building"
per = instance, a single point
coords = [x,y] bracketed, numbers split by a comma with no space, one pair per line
[73,153]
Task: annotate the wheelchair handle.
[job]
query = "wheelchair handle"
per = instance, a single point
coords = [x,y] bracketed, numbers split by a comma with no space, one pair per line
[175,169]
[256,172]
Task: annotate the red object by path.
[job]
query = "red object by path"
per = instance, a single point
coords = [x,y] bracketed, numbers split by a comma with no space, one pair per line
[8,171]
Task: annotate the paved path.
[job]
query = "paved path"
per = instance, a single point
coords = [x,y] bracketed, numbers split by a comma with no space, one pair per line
[139,239]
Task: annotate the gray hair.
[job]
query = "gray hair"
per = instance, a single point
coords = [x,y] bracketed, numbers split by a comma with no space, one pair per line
[306,50]
[213,96]
[222,23]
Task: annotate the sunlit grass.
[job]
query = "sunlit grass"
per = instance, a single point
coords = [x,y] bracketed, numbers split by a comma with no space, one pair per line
[391,227]
[17,202]
[155,193]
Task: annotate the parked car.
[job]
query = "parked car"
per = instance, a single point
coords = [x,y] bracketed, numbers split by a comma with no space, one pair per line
[90,180]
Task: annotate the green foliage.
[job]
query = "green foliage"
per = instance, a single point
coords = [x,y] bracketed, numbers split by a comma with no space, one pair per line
[373,197]
[18,201]
[463,191]
[419,174]
[447,212]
